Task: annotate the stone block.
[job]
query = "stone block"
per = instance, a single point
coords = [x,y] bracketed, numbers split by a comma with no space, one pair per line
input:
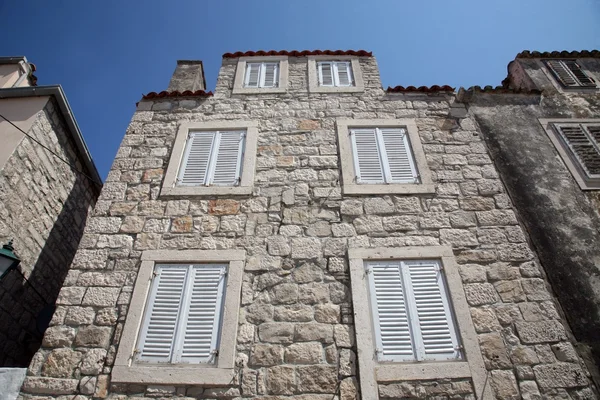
[259,312]
[493,350]
[540,331]
[306,248]
[400,223]
[58,336]
[285,293]
[276,332]
[304,353]
[61,363]
[351,207]
[93,361]
[479,294]
[307,272]
[93,336]
[101,296]
[278,246]
[281,380]
[327,313]
[504,385]
[560,375]
[265,355]
[368,224]
[293,313]
[379,205]
[312,332]
[317,378]
[223,207]
[50,386]
[458,237]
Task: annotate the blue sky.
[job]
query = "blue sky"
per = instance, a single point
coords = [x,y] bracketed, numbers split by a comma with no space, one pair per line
[107,53]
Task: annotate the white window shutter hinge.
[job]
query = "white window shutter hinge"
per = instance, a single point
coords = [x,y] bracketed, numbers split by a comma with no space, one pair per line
[215,352]
[459,347]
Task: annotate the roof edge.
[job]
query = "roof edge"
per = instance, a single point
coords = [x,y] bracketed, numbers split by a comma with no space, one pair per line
[65,108]
[559,54]
[420,89]
[176,93]
[299,53]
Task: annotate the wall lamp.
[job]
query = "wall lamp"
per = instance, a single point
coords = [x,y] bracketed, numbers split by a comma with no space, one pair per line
[8,259]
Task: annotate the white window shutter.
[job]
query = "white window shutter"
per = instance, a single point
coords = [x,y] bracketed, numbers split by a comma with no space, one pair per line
[270,74]
[402,168]
[252,74]
[344,73]
[367,158]
[202,314]
[435,333]
[161,318]
[196,159]
[390,316]
[584,143]
[581,77]
[228,163]
[326,74]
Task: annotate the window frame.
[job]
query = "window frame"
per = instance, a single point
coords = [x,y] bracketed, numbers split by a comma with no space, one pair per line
[313,75]
[240,75]
[348,161]
[374,372]
[248,164]
[566,154]
[558,81]
[261,75]
[126,370]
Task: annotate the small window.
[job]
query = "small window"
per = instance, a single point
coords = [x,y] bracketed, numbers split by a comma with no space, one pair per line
[335,73]
[212,158]
[183,314]
[262,75]
[411,311]
[569,74]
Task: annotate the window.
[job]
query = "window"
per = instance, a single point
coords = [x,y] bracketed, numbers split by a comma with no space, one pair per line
[412,317]
[569,74]
[257,75]
[339,75]
[411,311]
[182,320]
[212,158]
[382,156]
[335,73]
[578,143]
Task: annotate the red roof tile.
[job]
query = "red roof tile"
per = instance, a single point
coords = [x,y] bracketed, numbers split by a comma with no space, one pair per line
[298,53]
[502,89]
[420,89]
[559,54]
[187,93]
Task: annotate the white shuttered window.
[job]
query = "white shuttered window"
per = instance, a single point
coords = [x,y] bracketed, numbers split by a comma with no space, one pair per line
[335,73]
[383,155]
[212,158]
[262,75]
[411,310]
[183,314]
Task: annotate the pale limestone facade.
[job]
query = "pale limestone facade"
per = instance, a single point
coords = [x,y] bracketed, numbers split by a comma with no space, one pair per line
[296,333]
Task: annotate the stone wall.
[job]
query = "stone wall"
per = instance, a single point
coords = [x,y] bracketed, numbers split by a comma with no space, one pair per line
[296,333]
[43,207]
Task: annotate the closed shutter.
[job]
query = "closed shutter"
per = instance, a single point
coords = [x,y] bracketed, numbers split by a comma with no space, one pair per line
[576,70]
[569,73]
[325,74]
[270,75]
[584,143]
[367,157]
[196,158]
[393,334]
[436,335]
[202,314]
[227,167]
[344,74]
[561,73]
[160,322]
[402,167]
[252,74]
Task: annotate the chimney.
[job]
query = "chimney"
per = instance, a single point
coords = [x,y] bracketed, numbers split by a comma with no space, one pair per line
[188,75]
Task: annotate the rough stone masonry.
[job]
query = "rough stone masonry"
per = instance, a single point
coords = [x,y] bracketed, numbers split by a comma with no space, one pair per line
[296,335]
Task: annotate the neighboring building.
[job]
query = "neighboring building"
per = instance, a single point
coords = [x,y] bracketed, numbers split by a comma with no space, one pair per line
[44,204]
[543,132]
[304,234]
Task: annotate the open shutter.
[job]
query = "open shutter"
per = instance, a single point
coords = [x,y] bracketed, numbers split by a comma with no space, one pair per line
[252,74]
[576,70]
[270,77]
[367,158]
[393,334]
[228,163]
[326,74]
[435,337]
[561,73]
[202,316]
[161,318]
[344,74]
[195,163]
[402,167]
[586,149]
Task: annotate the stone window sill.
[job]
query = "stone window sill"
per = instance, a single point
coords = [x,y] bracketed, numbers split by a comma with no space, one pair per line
[395,188]
[173,375]
[185,191]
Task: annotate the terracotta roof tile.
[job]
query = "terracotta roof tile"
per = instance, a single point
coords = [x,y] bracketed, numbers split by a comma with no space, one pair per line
[502,89]
[299,53]
[420,89]
[559,54]
[187,93]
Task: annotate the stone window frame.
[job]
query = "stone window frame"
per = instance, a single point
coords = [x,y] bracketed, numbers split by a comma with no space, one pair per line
[169,187]
[373,372]
[565,154]
[313,77]
[349,184]
[125,370]
[240,73]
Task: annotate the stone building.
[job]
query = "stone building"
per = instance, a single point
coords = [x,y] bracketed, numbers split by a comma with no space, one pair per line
[44,204]
[303,233]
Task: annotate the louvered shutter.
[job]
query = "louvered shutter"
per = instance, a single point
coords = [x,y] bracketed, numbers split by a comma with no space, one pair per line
[561,73]
[569,73]
[576,70]
[326,74]
[161,318]
[344,75]
[435,333]
[367,158]
[252,74]
[585,146]
[196,158]
[227,166]
[270,73]
[202,314]
[402,167]
[393,334]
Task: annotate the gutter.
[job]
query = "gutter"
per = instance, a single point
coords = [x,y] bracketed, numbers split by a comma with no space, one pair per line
[65,108]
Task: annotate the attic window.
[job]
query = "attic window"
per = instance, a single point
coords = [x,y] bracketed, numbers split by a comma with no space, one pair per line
[569,74]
